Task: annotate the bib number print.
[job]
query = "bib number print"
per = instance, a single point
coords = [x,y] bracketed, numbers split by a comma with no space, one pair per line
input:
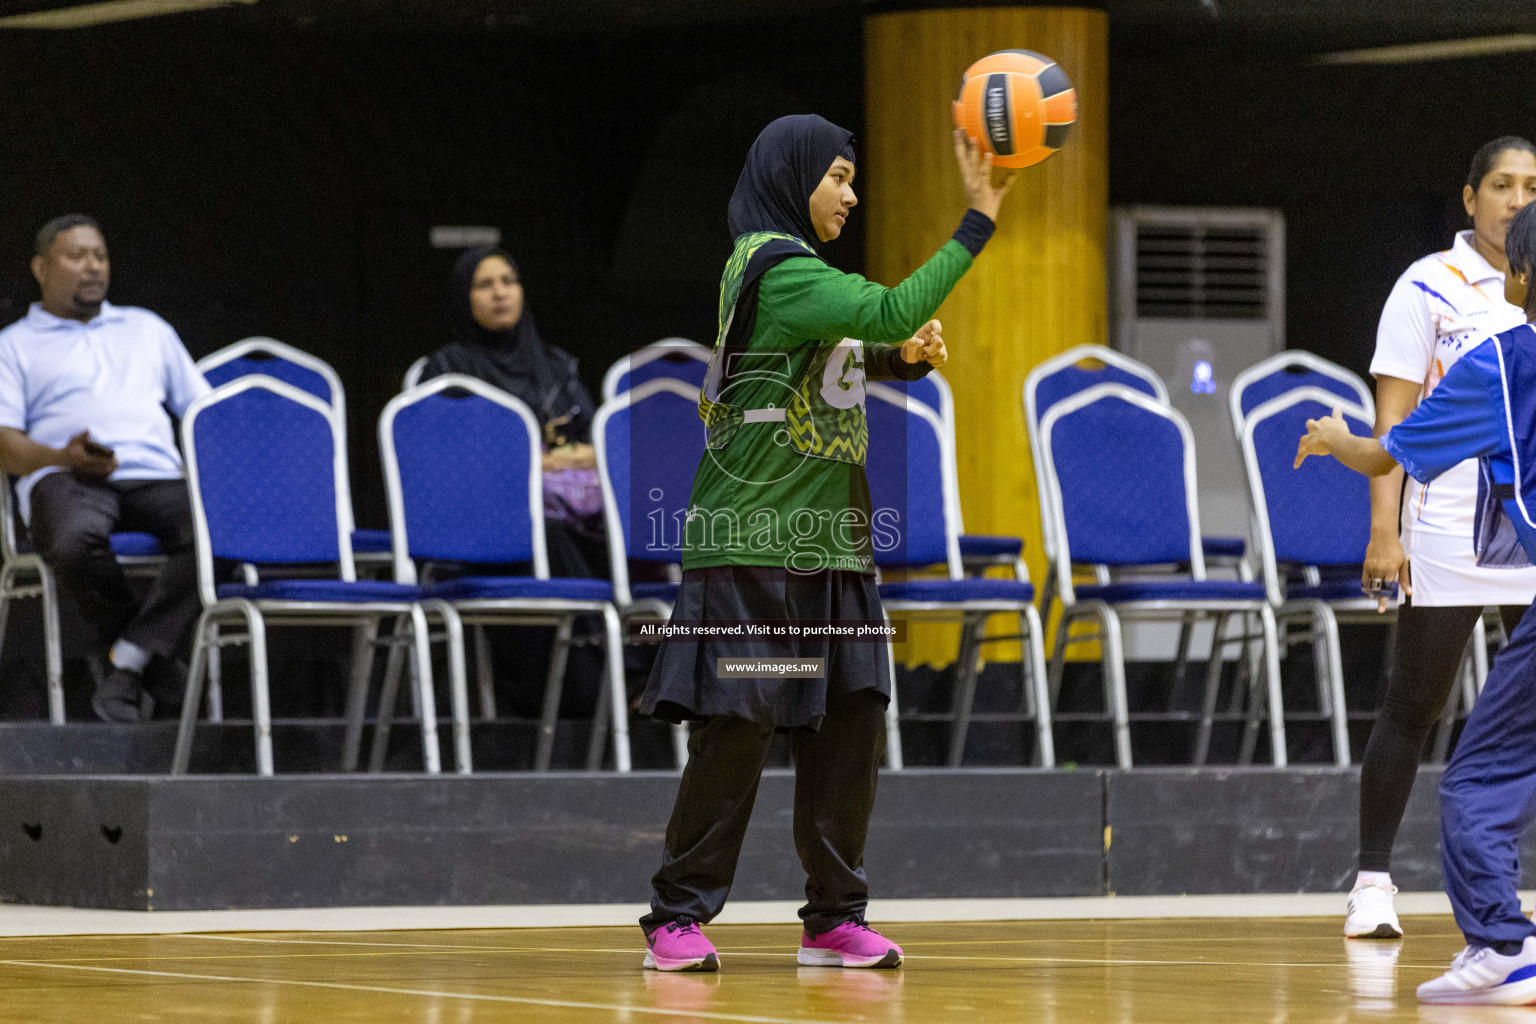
[842,381]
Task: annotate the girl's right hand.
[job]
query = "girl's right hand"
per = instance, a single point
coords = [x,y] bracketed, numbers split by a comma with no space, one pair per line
[1320,433]
[984,196]
[926,346]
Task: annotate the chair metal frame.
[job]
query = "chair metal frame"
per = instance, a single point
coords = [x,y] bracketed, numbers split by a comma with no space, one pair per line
[284,351]
[14,585]
[1474,669]
[375,560]
[946,406]
[1284,360]
[1049,368]
[625,365]
[484,672]
[1110,615]
[973,614]
[651,608]
[1323,615]
[1276,363]
[413,373]
[976,564]
[1141,371]
[17,567]
[257,614]
[558,612]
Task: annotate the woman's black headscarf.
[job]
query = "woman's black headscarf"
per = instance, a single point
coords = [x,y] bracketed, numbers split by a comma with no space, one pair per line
[515,360]
[783,168]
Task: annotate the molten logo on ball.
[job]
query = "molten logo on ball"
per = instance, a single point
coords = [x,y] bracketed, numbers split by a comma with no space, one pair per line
[999,132]
[1016,105]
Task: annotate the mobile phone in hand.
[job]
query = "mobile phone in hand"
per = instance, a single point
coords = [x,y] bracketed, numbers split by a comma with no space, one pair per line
[101,451]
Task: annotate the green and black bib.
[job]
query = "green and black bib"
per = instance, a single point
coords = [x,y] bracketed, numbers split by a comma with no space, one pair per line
[814,390]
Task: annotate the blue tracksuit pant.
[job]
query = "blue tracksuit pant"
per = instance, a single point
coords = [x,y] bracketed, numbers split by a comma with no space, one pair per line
[1488,798]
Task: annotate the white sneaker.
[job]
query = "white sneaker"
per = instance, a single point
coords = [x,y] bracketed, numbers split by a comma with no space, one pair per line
[1371,915]
[1481,976]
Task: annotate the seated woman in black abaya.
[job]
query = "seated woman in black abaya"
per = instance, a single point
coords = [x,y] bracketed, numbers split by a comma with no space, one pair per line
[495,339]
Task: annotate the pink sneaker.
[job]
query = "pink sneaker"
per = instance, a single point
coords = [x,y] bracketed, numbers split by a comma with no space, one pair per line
[850,944]
[680,946]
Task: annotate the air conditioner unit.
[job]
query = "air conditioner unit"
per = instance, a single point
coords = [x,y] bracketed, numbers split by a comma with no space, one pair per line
[1198,294]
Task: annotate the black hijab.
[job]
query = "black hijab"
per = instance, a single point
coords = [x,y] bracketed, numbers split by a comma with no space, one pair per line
[784,166]
[515,360]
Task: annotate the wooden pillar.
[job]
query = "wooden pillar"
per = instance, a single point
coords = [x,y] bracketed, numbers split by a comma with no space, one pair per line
[1038,288]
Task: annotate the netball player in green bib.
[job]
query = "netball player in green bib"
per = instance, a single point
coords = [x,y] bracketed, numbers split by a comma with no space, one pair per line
[779,531]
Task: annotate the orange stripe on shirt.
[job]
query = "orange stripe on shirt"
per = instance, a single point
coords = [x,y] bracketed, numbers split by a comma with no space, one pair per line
[1470,284]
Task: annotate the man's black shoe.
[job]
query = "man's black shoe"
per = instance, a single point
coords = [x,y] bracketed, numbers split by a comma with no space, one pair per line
[118,696]
[166,682]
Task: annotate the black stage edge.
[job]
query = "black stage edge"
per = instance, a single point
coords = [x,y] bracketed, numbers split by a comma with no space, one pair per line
[213,842]
[1257,830]
[299,746]
[210,842]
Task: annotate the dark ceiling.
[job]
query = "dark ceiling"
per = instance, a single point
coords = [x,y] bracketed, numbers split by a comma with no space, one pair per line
[1290,26]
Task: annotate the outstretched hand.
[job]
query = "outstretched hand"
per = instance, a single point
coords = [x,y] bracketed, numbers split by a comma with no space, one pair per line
[984,195]
[1320,436]
[927,345]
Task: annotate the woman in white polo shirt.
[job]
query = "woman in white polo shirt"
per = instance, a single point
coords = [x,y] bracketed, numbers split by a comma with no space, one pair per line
[1421,536]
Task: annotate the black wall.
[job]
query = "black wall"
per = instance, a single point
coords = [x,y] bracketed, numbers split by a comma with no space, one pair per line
[1367,163]
[285,184]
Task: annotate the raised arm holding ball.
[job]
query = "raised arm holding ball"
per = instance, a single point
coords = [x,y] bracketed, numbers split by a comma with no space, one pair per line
[779,531]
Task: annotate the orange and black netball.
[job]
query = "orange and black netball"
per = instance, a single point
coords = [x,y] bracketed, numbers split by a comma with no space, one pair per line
[1018,105]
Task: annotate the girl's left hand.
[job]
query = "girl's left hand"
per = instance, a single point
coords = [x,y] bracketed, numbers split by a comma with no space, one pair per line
[1319,433]
[927,345]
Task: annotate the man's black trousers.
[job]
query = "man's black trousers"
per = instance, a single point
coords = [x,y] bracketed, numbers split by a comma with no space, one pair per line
[73,519]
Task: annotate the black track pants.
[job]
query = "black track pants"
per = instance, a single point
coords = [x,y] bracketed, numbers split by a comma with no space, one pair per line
[835,773]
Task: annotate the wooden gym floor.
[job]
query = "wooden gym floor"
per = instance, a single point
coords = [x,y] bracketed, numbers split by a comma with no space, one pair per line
[1296,970]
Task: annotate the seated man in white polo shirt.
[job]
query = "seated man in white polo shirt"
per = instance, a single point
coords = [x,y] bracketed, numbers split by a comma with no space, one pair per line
[84,388]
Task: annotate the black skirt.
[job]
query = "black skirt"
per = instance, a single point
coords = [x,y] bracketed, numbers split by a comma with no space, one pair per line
[684,685]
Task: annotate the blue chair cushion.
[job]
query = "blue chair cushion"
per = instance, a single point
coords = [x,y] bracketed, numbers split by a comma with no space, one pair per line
[1347,589]
[495,588]
[370,542]
[950,591]
[655,591]
[127,545]
[135,545]
[1223,547]
[979,545]
[360,592]
[1172,590]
